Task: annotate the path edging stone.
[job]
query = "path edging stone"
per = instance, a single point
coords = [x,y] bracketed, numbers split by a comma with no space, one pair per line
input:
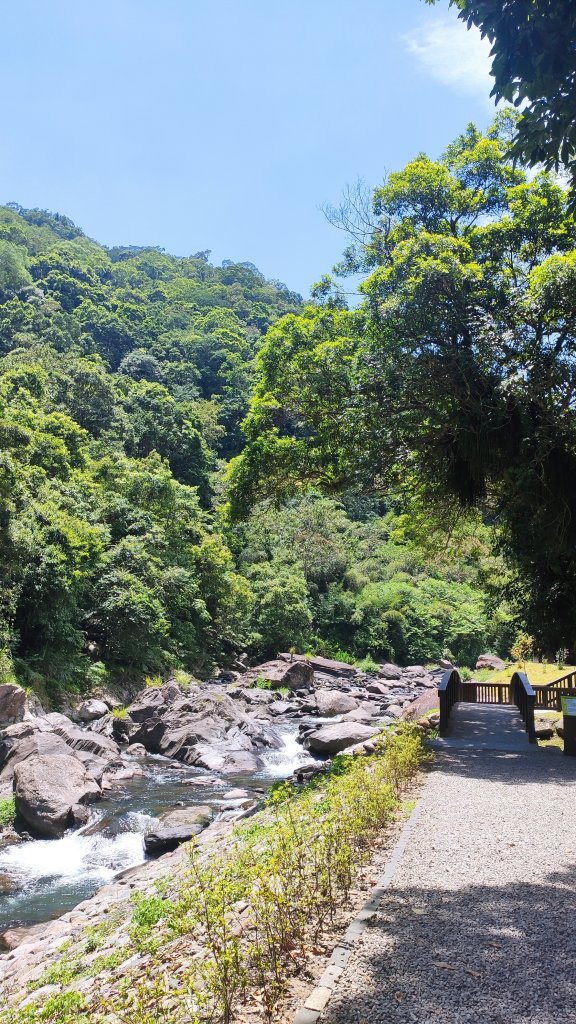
[320,995]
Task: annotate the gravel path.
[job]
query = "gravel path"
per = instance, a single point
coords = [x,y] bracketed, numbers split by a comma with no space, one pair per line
[479,923]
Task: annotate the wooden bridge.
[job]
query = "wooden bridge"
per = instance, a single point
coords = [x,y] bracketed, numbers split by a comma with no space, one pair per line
[518,692]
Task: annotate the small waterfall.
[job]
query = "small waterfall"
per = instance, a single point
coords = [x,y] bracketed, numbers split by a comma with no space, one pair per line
[73,857]
[52,875]
[280,763]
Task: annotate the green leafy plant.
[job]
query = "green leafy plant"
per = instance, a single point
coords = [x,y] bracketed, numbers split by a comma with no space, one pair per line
[522,648]
[7,811]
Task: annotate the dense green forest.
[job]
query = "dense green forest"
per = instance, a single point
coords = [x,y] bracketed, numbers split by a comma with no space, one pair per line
[124,377]
[455,379]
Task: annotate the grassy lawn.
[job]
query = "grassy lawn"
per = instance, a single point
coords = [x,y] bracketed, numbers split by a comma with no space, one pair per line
[537,672]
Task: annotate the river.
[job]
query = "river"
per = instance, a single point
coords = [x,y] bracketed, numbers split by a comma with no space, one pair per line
[50,876]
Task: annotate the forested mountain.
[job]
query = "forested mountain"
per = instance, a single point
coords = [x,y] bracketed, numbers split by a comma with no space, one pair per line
[125,374]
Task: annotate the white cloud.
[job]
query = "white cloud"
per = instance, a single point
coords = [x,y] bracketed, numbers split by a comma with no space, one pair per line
[454,55]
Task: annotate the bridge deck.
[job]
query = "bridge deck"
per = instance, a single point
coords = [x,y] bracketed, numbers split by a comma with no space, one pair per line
[486,727]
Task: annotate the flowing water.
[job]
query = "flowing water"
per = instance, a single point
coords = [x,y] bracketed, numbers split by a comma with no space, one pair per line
[50,876]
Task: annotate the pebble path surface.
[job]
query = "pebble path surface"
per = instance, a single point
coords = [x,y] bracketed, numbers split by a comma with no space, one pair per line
[478,925]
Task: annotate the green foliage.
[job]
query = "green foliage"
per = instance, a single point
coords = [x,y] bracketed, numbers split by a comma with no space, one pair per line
[123,377]
[367,664]
[533,68]
[7,811]
[377,584]
[457,373]
[261,683]
[522,647]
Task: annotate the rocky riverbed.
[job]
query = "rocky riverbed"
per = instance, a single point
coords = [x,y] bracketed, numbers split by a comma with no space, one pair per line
[98,790]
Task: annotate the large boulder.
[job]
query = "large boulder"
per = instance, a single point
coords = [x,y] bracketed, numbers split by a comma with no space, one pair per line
[381,689]
[52,792]
[491,661]
[318,664]
[97,752]
[364,713]
[414,671]
[176,827]
[12,704]
[389,671]
[90,710]
[226,761]
[332,702]
[51,736]
[295,675]
[331,739]
[26,739]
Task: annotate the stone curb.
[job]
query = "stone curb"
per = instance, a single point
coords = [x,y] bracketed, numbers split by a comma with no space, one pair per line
[316,1002]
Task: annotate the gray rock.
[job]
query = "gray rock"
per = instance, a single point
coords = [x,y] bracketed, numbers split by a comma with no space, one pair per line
[26,739]
[394,711]
[389,671]
[176,827]
[331,739]
[12,704]
[255,695]
[332,702]
[378,688]
[82,740]
[427,681]
[14,937]
[90,710]
[136,750]
[361,714]
[50,792]
[279,707]
[326,665]
[491,661]
[226,761]
[414,671]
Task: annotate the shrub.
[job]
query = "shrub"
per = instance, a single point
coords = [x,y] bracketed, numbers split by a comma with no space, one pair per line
[7,811]
[367,664]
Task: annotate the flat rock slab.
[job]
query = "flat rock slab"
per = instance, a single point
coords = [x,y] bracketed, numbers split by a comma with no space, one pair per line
[479,914]
[176,827]
[331,739]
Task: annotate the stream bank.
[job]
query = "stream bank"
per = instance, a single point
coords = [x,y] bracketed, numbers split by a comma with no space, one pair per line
[179,749]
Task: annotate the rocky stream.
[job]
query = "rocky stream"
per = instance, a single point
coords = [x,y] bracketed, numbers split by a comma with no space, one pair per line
[102,790]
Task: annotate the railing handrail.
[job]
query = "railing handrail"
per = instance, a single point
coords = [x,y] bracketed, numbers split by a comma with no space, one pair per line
[524,698]
[448,694]
[443,685]
[525,682]
[554,682]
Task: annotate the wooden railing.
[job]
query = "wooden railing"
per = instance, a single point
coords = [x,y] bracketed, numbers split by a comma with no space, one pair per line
[527,698]
[524,698]
[548,694]
[485,693]
[448,695]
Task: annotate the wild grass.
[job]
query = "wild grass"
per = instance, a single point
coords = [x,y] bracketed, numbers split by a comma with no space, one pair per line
[538,672]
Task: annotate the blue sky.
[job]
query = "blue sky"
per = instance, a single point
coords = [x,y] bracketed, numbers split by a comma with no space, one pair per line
[225,126]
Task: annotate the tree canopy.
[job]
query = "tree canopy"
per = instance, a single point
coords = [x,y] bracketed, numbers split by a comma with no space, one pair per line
[533,44]
[456,377]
